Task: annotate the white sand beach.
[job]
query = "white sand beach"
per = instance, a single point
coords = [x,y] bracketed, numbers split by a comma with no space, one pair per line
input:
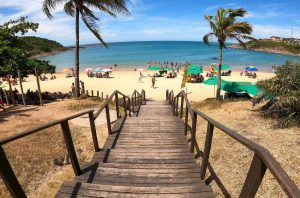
[126,81]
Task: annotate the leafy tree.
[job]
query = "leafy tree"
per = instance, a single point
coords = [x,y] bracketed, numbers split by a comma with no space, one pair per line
[224,26]
[83,8]
[281,94]
[13,56]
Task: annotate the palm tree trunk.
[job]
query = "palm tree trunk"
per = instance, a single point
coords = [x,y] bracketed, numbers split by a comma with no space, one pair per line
[218,94]
[77,88]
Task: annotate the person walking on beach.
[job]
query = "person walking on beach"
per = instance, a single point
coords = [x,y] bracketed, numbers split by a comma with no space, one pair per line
[73,89]
[140,77]
[153,81]
[82,87]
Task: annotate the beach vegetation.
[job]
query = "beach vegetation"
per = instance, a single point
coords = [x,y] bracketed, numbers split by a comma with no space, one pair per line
[85,9]
[224,26]
[13,54]
[281,95]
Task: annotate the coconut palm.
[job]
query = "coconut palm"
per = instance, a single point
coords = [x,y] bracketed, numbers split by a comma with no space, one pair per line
[224,26]
[83,8]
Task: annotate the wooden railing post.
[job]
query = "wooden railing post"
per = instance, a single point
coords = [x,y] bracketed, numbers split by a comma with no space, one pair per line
[193,132]
[135,98]
[186,119]
[93,130]
[177,101]
[167,94]
[87,92]
[207,148]
[129,107]
[117,105]
[124,105]
[254,177]
[132,104]
[173,104]
[97,94]
[9,178]
[108,119]
[92,92]
[70,147]
[181,106]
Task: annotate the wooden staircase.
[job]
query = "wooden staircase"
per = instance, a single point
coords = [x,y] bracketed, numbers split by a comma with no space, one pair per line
[148,157]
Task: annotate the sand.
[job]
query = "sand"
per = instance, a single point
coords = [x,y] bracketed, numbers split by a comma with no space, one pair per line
[126,81]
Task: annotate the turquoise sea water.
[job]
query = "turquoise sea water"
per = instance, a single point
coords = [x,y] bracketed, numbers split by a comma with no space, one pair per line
[138,54]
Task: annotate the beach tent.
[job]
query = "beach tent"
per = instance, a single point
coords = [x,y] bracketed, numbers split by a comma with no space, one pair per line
[154,68]
[241,87]
[97,70]
[87,70]
[168,69]
[195,69]
[223,67]
[251,68]
[106,70]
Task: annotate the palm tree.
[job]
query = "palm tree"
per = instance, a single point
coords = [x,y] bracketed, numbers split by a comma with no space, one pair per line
[84,8]
[224,26]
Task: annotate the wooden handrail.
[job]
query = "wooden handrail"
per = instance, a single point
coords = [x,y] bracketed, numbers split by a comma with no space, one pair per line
[42,127]
[6,171]
[262,157]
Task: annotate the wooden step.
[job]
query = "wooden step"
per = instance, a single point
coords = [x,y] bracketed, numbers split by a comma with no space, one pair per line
[77,189]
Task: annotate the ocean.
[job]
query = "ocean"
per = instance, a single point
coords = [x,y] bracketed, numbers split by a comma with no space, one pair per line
[138,54]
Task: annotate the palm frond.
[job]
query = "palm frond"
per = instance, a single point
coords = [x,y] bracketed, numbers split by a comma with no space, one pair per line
[237,12]
[240,27]
[207,37]
[49,5]
[91,24]
[69,8]
[88,12]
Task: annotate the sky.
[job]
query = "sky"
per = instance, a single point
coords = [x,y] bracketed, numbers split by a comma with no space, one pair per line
[164,20]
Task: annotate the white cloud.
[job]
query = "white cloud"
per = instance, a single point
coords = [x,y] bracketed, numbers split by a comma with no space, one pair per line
[263,31]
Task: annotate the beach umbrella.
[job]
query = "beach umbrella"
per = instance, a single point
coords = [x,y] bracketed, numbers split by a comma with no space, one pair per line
[195,69]
[154,68]
[168,69]
[87,70]
[97,70]
[67,70]
[251,68]
[106,70]
[223,67]
[214,81]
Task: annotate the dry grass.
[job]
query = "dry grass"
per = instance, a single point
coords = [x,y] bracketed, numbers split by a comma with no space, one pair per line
[32,157]
[231,160]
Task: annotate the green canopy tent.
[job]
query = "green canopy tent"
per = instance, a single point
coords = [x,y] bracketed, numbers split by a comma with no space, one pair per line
[241,87]
[154,68]
[223,67]
[195,69]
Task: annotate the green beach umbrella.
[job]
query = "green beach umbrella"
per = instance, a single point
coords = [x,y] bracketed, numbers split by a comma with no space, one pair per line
[223,67]
[195,69]
[214,81]
[168,69]
[154,68]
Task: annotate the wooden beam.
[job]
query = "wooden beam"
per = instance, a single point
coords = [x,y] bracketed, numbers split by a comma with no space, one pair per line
[254,177]
[207,148]
[70,147]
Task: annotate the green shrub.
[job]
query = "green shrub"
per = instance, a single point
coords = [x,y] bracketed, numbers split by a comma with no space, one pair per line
[281,95]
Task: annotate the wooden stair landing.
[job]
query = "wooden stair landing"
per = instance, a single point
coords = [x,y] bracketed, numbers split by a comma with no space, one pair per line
[149,157]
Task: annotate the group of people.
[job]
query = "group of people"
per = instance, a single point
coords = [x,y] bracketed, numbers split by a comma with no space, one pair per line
[91,74]
[73,89]
[44,77]
[196,78]
[249,74]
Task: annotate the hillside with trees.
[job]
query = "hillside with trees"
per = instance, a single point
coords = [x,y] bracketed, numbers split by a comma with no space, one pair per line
[279,47]
[36,46]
